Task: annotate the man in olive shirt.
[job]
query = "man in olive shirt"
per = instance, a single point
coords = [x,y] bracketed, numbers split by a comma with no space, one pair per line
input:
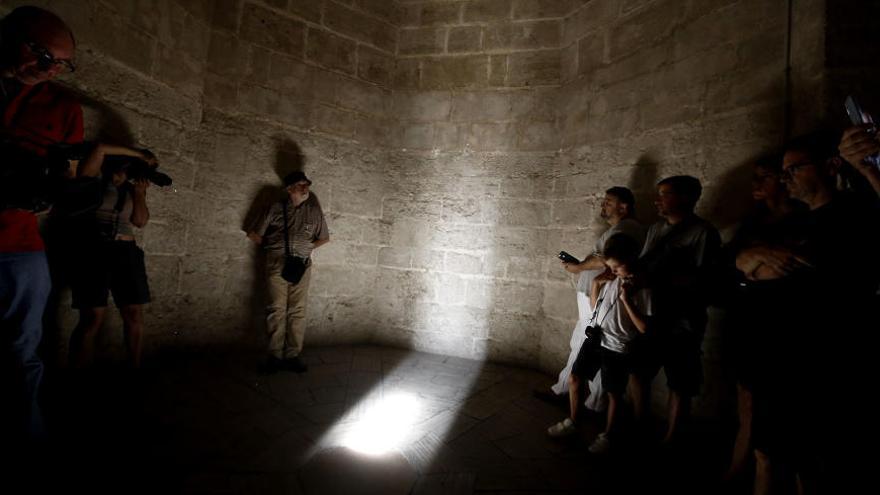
[306,230]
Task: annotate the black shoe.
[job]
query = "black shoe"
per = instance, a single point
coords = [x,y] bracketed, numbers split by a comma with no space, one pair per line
[295,365]
[271,366]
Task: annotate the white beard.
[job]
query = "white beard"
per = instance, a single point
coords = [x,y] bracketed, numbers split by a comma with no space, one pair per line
[300,199]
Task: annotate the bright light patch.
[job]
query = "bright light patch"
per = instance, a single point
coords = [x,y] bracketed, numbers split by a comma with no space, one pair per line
[384,425]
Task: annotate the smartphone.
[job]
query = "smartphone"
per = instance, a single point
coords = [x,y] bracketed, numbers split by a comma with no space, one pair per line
[858,116]
[567,258]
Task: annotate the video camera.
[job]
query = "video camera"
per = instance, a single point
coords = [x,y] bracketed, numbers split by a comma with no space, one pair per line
[34,181]
[135,169]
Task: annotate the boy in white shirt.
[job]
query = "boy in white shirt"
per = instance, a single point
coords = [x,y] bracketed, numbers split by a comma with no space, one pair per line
[623,306]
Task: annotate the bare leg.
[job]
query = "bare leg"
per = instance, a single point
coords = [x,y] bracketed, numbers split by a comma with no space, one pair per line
[638,392]
[133,325]
[82,341]
[678,408]
[763,474]
[741,449]
[574,395]
[612,413]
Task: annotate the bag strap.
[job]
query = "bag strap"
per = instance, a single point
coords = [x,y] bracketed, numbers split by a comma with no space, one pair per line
[286,240]
[599,306]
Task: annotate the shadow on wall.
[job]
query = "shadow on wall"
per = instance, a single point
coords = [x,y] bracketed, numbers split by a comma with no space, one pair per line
[643,184]
[729,199]
[288,158]
[59,319]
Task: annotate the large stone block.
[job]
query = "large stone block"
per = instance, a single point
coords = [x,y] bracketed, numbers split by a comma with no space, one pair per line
[591,53]
[395,257]
[448,136]
[165,238]
[357,199]
[463,263]
[434,105]
[266,28]
[529,35]
[536,105]
[290,76]
[259,62]
[331,51]
[435,13]
[334,121]
[487,10]
[520,241]
[482,106]
[491,137]
[517,213]
[568,63]
[362,27]
[422,41]
[309,10]
[410,14]
[390,12]
[412,208]
[455,72]
[645,28]
[592,16]
[497,70]
[573,212]
[464,39]
[407,73]
[226,14]
[414,136]
[537,136]
[363,97]
[560,301]
[538,9]
[374,66]
[533,68]
[124,42]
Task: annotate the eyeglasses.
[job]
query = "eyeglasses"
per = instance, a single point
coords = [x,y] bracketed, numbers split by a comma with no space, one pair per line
[788,172]
[45,60]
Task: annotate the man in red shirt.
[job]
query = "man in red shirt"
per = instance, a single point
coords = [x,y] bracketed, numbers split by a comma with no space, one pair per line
[36,47]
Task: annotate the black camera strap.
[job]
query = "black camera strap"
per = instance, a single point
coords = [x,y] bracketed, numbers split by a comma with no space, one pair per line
[599,306]
[286,240]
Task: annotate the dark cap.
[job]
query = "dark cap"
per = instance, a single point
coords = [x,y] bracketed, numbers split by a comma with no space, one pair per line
[294,177]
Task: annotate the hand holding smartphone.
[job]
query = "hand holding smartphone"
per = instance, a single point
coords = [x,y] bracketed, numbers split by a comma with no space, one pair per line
[567,258]
[858,116]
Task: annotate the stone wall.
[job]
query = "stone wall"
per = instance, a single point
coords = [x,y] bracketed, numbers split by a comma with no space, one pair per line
[456,145]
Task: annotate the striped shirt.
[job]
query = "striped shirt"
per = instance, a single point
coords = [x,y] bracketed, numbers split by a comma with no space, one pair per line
[306,224]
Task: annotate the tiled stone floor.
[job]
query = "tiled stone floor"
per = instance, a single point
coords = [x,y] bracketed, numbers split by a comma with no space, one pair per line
[211,424]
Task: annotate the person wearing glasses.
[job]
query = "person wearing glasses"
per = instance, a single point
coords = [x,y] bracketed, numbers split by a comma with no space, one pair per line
[291,230]
[814,365]
[772,221]
[36,47]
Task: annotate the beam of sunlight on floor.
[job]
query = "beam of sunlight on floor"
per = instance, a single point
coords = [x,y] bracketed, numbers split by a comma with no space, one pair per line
[384,424]
[400,415]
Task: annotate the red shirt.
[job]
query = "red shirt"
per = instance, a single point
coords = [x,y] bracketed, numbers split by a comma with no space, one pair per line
[43,114]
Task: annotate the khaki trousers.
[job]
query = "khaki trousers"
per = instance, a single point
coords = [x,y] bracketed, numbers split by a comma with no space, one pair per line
[286,314]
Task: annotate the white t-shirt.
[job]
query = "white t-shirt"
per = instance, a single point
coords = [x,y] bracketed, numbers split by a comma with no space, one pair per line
[618,330]
[627,226]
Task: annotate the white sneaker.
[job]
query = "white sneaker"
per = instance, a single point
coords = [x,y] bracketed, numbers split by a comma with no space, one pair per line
[600,445]
[563,428]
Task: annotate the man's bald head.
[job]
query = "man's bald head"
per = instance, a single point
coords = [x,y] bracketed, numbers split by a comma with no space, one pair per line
[26,32]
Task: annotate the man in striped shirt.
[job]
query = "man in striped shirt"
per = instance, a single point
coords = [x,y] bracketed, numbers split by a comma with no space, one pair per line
[306,230]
